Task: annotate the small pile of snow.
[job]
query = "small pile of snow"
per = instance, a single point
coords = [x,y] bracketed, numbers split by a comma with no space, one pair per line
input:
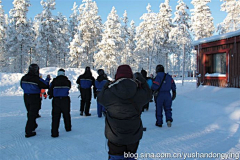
[215,75]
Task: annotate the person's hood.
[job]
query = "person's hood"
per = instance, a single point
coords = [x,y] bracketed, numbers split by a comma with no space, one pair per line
[124,88]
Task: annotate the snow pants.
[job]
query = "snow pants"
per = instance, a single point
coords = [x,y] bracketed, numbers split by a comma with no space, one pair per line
[163,102]
[122,152]
[86,95]
[100,109]
[32,103]
[60,105]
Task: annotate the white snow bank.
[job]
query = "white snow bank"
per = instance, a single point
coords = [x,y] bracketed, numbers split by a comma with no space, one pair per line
[10,82]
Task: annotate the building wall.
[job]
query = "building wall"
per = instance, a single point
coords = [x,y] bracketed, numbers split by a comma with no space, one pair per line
[231,46]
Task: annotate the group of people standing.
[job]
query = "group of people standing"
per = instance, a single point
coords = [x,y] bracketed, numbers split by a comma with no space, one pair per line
[122,101]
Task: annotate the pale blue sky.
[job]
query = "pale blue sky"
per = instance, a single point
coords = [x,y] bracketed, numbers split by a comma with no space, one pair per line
[135,8]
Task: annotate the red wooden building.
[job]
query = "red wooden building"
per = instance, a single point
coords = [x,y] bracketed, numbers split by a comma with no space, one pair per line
[218,60]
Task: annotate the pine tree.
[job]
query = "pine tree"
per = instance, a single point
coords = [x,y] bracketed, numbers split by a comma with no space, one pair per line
[3,26]
[145,39]
[163,28]
[111,46]
[90,29]
[232,20]
[47,30]
[62,39]
[19,35]
[202,20]
[181,35]
[125,36]
[131,46]
[76,52]
[73,21]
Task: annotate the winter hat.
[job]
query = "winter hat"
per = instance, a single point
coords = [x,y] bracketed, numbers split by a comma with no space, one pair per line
[124,71]
[100,72]
[33,69]
[61,72]
[159,68]
[144,73]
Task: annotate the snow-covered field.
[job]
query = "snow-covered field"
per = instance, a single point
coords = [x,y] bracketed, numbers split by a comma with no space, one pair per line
[206,123]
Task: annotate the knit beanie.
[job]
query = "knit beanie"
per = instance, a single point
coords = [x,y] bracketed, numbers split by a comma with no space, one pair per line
[124,71]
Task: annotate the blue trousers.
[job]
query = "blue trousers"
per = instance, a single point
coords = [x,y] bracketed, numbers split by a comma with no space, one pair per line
[163,102]
[100,109]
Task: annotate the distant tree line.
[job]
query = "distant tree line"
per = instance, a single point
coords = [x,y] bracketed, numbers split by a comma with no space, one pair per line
[83,40]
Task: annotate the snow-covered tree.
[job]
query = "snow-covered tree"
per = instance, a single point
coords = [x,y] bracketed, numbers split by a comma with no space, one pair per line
[76,51]
[232,20]
[181,35]
[3,27]
[202,20]
[145,39]
[73,21]
[163,28]
[111,46]
[63,40]
[125,36]
[90,29]
[47,33]
[19,35]
[131,46]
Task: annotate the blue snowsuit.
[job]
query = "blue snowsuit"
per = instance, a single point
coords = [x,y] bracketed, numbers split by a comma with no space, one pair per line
[99,84]
[163,99]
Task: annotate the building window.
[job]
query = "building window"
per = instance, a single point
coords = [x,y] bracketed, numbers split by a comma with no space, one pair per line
[215,63]
[219,63]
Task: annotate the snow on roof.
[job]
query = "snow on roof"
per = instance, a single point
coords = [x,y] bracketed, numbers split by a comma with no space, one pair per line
[217,37]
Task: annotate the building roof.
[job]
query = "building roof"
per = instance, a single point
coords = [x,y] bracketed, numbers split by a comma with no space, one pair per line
[217,37]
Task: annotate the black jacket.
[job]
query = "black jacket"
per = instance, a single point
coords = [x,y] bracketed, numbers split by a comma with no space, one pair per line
[59,87]
[32,84]
[123,101]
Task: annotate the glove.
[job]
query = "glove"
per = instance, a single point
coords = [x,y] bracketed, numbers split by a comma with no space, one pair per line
[174,95]
[138,76]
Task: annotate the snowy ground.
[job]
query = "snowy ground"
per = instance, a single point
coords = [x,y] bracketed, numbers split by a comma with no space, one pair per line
[206,120]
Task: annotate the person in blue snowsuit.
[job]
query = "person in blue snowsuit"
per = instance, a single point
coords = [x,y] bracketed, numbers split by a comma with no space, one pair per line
[164,99]
[85,82]
[59,91]
[32,84]
[99,84]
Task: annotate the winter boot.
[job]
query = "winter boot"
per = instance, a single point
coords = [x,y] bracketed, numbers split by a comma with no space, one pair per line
[81,113]
[169,123]
[88,114]
[158,125]
[30,134]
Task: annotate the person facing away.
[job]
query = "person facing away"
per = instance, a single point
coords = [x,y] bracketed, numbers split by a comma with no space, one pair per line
[85,82]
[59,91]
[149,82]
[32,84]
[42,94]
[99,83]
[123,100]
[163,101]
